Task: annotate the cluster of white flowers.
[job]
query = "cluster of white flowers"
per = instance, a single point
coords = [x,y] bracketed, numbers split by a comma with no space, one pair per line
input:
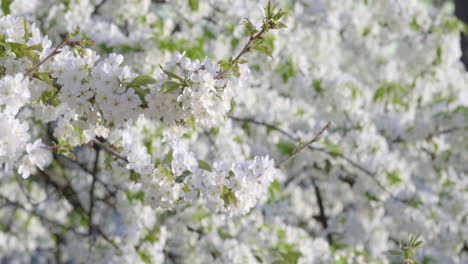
[171,156]
[226,187]
[202,99]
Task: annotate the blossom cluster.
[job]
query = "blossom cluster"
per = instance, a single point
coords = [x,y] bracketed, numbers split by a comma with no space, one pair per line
[142,148]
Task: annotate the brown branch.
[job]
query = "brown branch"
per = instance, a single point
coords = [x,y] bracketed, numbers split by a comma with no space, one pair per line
[96,8]
[43,218]
[108,149]
[91,191]
[248,46]
[71,196]
[52,54]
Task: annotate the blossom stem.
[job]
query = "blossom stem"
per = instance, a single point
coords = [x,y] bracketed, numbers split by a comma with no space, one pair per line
[303,147]
[111,151]
[52,54]
[249,44]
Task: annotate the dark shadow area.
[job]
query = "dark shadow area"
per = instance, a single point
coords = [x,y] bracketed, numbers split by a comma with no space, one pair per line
[461,11]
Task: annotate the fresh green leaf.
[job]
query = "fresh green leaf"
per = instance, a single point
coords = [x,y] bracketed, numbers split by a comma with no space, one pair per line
[393,177]
[191,122]
[168,158]
[145,257]
[204,165]
[285,148]
[170,86]
[194,5]
[333,149]
[264,49]
[274,191]
[142,80]
[166,172]
[134,176]
[6,6]
[249,27]
[228,196]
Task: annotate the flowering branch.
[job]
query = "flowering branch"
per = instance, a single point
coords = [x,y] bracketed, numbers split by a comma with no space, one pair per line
[270,21]
[56,51]
[340,155]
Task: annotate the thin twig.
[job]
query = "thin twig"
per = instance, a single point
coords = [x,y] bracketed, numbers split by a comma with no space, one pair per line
[303,147]
[17,205]
[96,8]
[339,155]
[72,197]
[248,46]
[111,151]
[245,49]
[52,54]
[91,191]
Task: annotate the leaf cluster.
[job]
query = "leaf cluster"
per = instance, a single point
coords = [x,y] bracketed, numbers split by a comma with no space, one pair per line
[408,249]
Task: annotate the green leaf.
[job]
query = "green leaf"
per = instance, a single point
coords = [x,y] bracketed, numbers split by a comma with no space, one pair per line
[264,49]
[391,89]
[145,257]
[274,191]
[279,15]
[228,196]
[224,64]
[23,50]
[45,77]
[288,253]
[75,33]
[6,6]
[172,75]
[170,86]
[168,158]
[279,25]
[204,165]
[125,48]
[142,80]
[131,196]
[191,122]
[69,155]
[182,177]
[165,172]
[268,11]
[393,177]
[141,93]
[438,59]
[317,85]
[194,5]
[249,27]
[134,176]
[66,150]
[371,197]
[333,149]
[286,148]
[414,24]
[152,235]
[235,70]
[234,43]
[291,257]
[286,70]
[395,252]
